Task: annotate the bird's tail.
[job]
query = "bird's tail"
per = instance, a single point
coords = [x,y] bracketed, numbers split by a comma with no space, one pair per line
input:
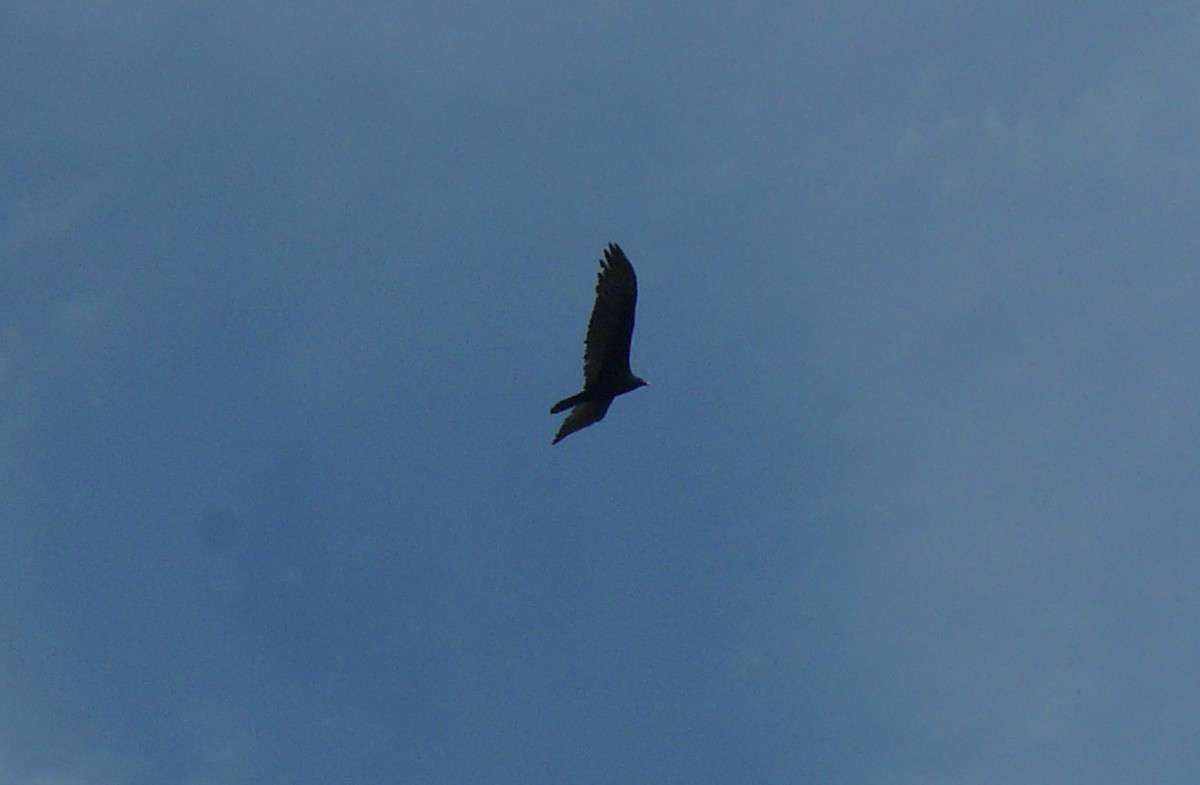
[567,403]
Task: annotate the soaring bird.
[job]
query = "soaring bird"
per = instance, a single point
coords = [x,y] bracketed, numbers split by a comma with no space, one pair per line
[606,371]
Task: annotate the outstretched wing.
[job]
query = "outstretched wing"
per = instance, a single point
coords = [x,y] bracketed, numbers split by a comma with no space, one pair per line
[610,330]
[583,415]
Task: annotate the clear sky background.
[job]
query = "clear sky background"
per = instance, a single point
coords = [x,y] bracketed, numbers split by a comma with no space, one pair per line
[286,291]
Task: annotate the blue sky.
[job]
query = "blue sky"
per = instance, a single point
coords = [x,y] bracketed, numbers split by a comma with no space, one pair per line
[286,291]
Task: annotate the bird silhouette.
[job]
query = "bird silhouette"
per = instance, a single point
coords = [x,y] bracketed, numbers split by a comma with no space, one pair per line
[606,371]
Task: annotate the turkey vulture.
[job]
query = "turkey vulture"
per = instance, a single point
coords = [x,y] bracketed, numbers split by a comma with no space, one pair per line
[606,371]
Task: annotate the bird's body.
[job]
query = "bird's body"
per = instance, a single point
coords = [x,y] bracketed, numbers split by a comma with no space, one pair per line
[606,371]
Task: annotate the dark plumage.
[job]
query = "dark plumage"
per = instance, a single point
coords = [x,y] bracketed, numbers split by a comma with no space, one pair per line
[606,371]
